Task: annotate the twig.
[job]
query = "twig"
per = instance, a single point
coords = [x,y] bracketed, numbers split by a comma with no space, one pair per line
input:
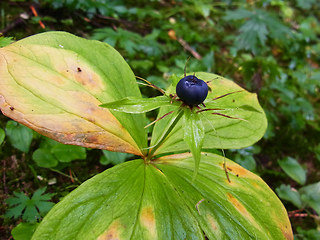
[152,85]
[14,24]
[70,174]
[187,47]
[296,213]
[116,20]
[225,168]
[158,119]
[34,11]
[4,168]
[198,203]
[66,175]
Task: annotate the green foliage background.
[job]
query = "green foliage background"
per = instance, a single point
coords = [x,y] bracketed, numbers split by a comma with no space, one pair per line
[269,47]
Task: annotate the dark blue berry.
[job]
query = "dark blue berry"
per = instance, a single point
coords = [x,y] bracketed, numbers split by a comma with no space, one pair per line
[192,90]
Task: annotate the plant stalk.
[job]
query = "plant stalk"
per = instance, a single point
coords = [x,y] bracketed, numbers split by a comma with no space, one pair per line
[172,124]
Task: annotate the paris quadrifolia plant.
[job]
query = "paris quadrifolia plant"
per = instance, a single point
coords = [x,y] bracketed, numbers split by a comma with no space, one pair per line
[82,92]
[192,92]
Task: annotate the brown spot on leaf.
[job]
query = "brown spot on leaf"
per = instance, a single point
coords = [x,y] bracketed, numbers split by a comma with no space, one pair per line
[236,204]
[91,120]
[92,139]
[257,186]
[280,217]
[84,74]
[242,210]
[238,171]
[11,108]
[214,226]
[147,220]
[287,233]
[90,80]
[212,222]
[113,232]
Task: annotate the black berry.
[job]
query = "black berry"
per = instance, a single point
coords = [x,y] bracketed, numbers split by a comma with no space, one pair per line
[192,90]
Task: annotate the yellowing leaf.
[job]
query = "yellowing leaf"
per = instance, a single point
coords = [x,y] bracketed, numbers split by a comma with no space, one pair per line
[54,83]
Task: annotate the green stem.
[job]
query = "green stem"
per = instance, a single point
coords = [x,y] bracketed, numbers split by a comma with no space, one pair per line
[66,175]
[175,119]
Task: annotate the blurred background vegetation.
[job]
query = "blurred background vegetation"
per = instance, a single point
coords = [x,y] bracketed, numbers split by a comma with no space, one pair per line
[269,47]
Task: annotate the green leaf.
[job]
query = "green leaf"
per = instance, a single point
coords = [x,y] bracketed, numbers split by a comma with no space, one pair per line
[5,41]
[294,170]
[308,234]
[285,192]
[311,196]
[258,25]
[237,14]
[174,79]
[54,83]
[144,65]
[113,157]
[30,213]
[131,42]
[30,209]
[24,231]
[306,4]
[248,162]
[16,204]
[138,105]
[135,200]
[2,135]
[221,132]
[44,158]
[193,136]
[68,153]
[253,33]
[52,152]
[316,151]
[19,136]
[42,199]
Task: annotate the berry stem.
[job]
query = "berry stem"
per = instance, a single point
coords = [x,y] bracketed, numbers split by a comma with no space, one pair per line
[175,119]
